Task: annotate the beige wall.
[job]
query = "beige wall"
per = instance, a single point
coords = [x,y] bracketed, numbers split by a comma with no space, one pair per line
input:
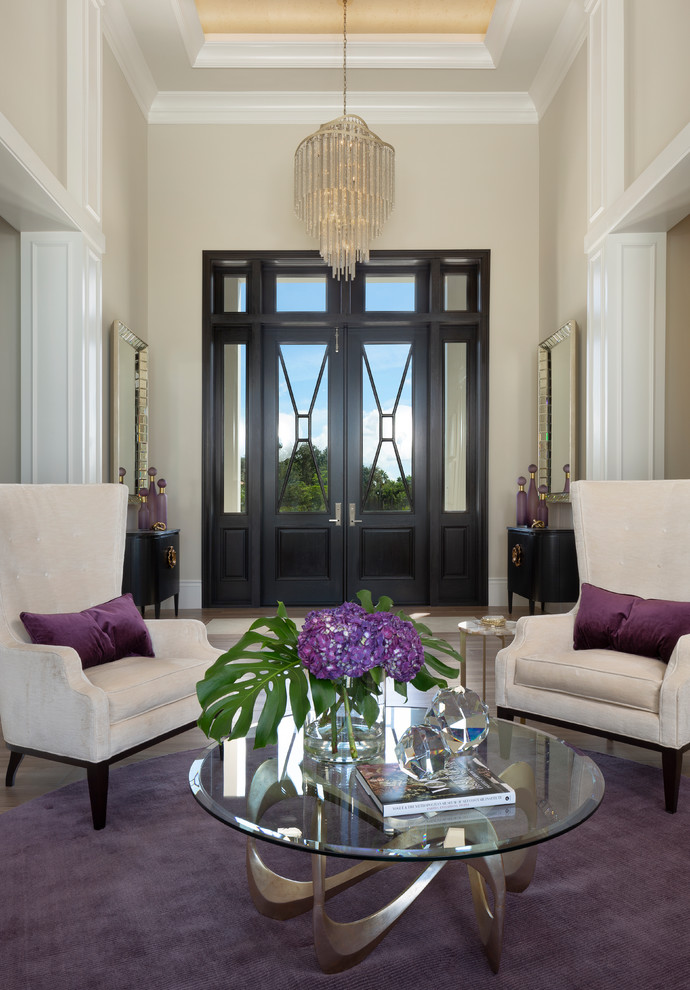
[125,220]
[32,76]
[677,447]
[9,354]
[562,220]
[214,187]
[657,78]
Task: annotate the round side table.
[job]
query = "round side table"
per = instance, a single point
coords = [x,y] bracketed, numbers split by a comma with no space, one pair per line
[475,627]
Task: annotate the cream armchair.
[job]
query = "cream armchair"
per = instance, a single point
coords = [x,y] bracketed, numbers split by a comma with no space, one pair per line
[633,538]
[62,551]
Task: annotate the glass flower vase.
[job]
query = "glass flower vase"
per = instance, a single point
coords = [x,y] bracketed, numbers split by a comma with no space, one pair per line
[342,735]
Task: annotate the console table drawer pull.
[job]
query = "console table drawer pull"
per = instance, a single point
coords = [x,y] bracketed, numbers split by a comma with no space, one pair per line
[170,557]
[516,555]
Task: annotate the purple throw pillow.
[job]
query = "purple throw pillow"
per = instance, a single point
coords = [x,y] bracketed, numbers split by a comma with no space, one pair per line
[76,629]
[599,618]
[653,628]
[120,620]
[99,634]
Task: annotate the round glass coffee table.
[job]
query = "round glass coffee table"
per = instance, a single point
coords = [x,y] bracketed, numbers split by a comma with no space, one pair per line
[278,795]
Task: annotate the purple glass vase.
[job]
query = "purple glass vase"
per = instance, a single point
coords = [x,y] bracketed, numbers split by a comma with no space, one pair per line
[543,509]
[162,500]
[521,503]
[532,496]
[143,521]
[566,486]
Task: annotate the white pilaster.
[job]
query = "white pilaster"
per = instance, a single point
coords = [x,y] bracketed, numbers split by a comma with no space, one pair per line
[625,357]
[84,103]
[606,103]
[61,360]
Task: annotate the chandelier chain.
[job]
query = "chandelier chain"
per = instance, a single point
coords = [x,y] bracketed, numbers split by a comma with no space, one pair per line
[344,58]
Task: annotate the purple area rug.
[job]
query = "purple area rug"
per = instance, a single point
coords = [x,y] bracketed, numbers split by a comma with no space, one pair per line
[158,901]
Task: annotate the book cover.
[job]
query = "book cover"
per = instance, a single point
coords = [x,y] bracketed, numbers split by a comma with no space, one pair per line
[464,783]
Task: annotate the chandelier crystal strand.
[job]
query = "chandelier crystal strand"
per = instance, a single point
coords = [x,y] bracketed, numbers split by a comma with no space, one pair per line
[344,185]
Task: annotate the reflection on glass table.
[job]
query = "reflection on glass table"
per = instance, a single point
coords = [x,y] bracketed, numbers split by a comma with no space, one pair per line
[277,795]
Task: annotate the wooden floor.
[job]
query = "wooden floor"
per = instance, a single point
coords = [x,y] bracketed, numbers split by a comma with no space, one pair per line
[36,777]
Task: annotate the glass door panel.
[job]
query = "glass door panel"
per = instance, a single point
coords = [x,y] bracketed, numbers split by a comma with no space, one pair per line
[234,427]
[302,534]
[387,427]
[387,532]
[302,438]
[455,427]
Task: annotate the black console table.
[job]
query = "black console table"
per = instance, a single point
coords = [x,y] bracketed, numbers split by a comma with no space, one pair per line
[542,566]
[152,568]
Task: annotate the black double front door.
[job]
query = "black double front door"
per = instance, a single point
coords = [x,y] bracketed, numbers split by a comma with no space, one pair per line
[344,446]
[345,429]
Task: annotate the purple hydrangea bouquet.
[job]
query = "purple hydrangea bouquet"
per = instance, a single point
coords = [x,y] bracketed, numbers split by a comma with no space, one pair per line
[335,668]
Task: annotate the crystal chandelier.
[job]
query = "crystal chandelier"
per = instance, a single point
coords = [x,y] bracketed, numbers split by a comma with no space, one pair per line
[344,185]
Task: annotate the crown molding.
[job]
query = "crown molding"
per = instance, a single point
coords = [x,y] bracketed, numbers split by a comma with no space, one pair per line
[459,51]
[128,55]
[315,108]
[325,51]
[569,38]
[500,27]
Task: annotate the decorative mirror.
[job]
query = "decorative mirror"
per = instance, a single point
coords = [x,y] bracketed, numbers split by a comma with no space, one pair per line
[557,412]
[129,414]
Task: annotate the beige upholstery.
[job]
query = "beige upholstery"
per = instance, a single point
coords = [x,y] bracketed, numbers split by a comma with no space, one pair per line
[62,550]
[631,537]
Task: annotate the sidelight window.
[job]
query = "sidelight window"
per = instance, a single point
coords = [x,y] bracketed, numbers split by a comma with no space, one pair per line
[234,427]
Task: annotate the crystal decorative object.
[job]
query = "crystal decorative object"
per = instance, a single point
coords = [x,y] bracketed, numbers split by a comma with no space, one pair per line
[461,716]
[344,185]
[422,751]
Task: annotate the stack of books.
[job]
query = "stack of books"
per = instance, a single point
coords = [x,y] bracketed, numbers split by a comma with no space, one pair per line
[465,783]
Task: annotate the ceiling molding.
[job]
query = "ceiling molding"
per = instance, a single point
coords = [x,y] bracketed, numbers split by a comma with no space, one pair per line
[364,51]
[316,108]
[500,27]
[325,51]
[569,38]
[189,24]
[128,55]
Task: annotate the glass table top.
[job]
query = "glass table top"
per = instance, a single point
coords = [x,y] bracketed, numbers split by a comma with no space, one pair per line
[280,795]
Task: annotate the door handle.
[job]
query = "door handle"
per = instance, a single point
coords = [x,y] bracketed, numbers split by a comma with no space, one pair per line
[353,521]
[338,514]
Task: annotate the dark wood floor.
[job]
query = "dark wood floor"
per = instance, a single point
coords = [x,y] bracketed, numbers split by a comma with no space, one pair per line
[36,777]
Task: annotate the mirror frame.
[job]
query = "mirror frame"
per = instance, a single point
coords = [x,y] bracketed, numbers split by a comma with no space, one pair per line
[565,336]
[122,334]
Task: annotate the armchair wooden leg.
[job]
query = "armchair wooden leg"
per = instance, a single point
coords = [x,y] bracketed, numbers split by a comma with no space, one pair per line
[15,759]
[97,777]
[672,765]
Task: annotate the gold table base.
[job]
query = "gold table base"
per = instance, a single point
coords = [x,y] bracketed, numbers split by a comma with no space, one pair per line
[341,945]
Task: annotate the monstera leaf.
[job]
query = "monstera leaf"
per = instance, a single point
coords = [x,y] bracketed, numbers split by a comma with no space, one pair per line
[265,665]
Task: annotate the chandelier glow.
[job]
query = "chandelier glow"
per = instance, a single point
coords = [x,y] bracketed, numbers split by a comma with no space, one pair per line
[344,185]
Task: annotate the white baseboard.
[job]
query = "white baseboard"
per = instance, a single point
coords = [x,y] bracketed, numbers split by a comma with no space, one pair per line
[190,594]
[498,592]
